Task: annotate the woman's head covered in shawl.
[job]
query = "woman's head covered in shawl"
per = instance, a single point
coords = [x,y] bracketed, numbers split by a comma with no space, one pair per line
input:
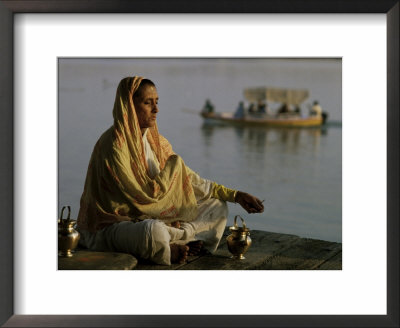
[133,114]
[136,96]
[145,100]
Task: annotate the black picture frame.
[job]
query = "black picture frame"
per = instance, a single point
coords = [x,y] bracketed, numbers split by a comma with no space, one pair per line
[10,7]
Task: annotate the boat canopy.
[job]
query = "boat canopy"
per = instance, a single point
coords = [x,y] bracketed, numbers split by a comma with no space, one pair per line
[284,96]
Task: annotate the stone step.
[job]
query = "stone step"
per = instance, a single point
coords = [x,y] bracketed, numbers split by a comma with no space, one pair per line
[90,260]
[269,251]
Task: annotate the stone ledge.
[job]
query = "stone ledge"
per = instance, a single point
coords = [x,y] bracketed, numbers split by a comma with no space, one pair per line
[90,260]
[269,251]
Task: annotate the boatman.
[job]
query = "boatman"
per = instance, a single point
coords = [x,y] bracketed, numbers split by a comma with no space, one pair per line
[208,107]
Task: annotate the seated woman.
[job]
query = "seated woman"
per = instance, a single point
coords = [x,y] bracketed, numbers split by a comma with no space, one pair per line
[140,197]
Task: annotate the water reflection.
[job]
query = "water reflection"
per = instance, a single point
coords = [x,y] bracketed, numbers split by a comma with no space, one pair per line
[260,139]
[207,133]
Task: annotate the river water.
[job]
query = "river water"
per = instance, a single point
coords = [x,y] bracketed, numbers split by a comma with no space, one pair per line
[297,171]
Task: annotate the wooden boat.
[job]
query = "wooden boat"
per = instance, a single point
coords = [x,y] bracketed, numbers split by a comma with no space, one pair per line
[284,117]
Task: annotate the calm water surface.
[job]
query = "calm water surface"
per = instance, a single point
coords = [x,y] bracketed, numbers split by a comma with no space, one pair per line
[297,171]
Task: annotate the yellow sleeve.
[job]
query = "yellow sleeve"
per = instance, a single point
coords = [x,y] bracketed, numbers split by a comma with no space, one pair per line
[222,193]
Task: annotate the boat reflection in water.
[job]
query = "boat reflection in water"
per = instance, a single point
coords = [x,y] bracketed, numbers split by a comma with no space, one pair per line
[260,139]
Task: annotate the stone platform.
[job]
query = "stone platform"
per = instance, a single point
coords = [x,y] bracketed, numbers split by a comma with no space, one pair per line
[269,251]
[84,259]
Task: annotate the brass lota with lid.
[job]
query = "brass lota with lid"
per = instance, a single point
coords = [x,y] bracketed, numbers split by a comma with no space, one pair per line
[68,237]
[239,240]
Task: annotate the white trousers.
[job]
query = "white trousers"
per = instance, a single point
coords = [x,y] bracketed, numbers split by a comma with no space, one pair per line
[150,239]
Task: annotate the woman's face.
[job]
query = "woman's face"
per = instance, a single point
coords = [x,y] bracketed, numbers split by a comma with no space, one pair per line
[146,106]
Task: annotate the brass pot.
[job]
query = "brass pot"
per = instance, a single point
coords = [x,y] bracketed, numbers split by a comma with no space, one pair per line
[68,237]
[239,240]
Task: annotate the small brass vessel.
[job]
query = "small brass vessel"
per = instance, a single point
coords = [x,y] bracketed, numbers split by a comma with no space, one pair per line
[68,237]
[239,240]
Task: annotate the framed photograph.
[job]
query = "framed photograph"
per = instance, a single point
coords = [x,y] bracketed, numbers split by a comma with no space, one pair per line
[46,40]
[207,112]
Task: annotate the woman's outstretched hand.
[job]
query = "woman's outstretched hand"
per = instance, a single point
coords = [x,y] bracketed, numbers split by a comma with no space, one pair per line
[250,203]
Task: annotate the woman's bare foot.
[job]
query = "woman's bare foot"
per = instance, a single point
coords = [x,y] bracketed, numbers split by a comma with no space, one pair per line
[179,253]
[195,247]
[176,224]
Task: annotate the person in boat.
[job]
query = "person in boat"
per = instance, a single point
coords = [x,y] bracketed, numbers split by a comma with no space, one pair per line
[239,110]
[316,109]
[208,107]
[140,197]
[297,110]
[252,108]
[261,107]
[284,109]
